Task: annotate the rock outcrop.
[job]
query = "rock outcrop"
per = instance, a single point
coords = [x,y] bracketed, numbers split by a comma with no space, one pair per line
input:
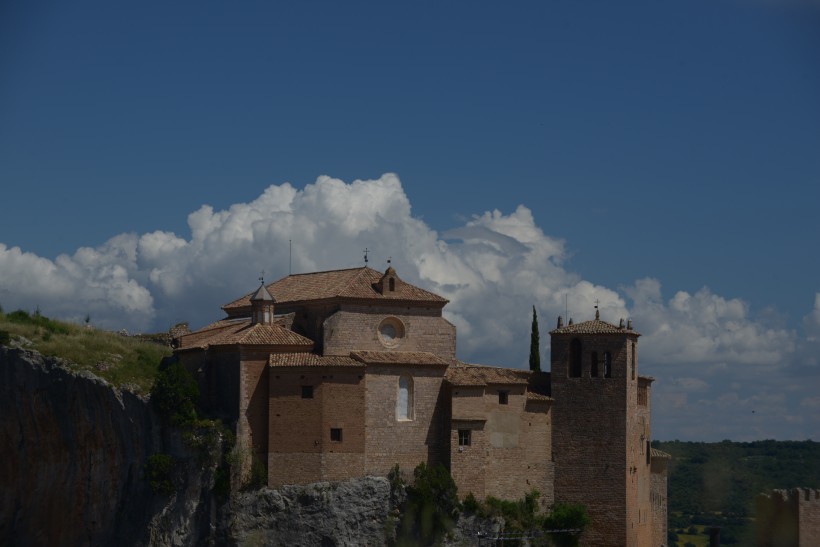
[74,457]
[349,513]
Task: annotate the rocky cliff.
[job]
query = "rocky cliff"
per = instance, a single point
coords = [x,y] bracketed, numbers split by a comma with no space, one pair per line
[74,455]
[73,472]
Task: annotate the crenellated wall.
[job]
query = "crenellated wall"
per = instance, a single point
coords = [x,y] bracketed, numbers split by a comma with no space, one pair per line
[788,518]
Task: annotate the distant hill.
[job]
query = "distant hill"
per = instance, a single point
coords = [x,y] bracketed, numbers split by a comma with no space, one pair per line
[716,483]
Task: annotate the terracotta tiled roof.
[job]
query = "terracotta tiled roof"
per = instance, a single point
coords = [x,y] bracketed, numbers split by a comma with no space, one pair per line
[532,396]
[311,360]
[281,320]
[229,332]
[359,283]
[596,326]
[660,454]
[480,375]
[398,358]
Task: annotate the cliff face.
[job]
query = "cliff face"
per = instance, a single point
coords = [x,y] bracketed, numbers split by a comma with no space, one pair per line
[74,452]
[72,472]
[348,513]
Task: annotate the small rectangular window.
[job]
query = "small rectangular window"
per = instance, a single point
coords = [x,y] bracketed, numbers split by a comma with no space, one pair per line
[307,392]
[463,437]
[503,397]
[336,434]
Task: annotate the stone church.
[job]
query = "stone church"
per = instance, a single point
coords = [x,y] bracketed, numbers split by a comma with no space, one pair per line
[333,375]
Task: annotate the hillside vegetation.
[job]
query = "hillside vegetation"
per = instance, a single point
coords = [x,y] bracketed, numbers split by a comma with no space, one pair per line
[123,361]
[715,484]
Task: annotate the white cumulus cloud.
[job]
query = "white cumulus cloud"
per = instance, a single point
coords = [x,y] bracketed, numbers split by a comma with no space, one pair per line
[493,268]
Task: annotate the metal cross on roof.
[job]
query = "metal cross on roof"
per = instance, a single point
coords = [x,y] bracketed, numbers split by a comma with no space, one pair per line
[262,277]
[365,255]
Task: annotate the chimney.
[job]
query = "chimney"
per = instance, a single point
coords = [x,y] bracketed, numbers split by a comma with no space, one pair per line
[560,322]
[570,321]
[629,324]
[621,324]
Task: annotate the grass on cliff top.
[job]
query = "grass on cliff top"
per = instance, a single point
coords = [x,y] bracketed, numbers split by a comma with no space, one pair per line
[121,360]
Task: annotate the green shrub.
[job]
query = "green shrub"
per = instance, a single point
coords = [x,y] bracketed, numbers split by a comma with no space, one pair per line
[5,338]
[22,317]
[175,394]
[159,471]
[222,481]
[259,474]
[431,507]
[471,504]
[394,476]
[567,516]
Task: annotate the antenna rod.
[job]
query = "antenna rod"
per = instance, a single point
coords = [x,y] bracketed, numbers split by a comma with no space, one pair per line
[290,255]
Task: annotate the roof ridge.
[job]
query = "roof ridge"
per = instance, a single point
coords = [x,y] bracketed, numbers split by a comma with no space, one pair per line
[325,271]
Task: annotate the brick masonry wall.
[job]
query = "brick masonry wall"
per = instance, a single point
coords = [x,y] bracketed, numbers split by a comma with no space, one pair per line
[356,328]
[658,498]
[509,454]
[391,441]
[301,449]
[467,462]
[595,439]
[252,426]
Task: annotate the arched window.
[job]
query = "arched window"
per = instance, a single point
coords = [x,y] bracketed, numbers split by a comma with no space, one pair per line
[575,359]
[404,404]
[607,365]
[593,364]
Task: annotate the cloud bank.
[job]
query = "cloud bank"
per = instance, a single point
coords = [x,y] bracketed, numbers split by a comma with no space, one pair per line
[708,352]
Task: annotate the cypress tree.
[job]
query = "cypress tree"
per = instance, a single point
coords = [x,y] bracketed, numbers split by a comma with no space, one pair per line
[535,350]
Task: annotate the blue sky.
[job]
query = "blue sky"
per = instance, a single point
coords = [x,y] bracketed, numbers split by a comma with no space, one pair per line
[666,155]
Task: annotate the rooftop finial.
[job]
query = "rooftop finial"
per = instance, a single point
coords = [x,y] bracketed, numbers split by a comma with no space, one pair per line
[389,260]
[262,277]
[597,312]
[365,256]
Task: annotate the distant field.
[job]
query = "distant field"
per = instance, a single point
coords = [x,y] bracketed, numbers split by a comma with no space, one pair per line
[123,361]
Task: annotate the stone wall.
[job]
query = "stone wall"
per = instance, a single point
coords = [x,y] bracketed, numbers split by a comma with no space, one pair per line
[391,441]
[788,518]
[357,328]
[510,444]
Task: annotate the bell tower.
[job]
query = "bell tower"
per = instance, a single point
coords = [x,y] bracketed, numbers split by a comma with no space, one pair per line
[601,429]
